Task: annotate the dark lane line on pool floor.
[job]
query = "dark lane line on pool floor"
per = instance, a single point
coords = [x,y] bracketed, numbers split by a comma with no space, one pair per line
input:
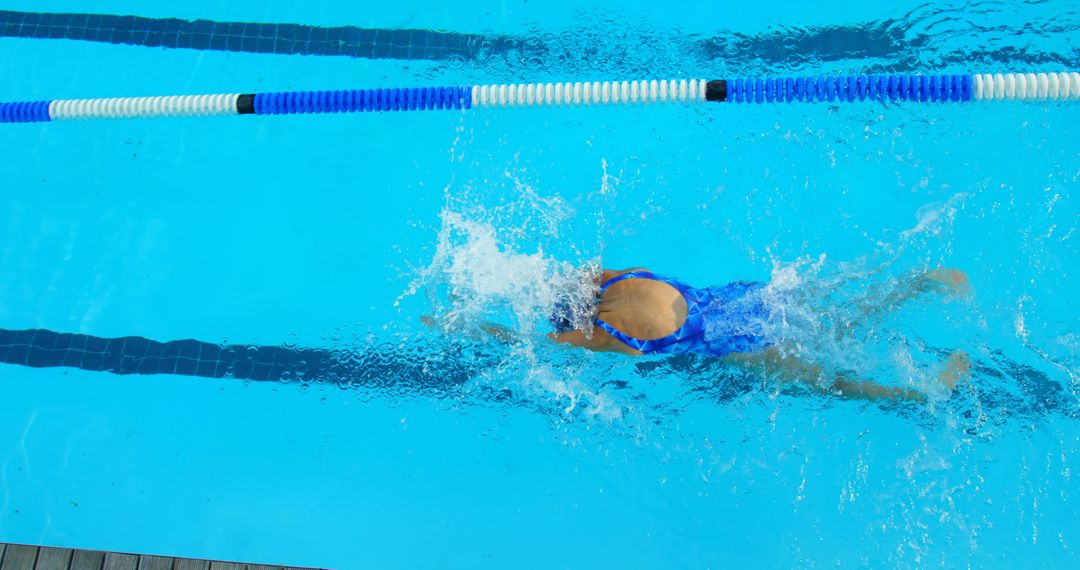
[896,42]
[428,369]
[349,41]
[385,366]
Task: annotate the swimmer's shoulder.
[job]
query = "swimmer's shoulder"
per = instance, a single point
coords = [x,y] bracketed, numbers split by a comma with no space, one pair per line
[609,274]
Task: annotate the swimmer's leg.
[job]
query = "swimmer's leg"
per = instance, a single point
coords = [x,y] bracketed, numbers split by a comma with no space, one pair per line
[957,368]
[874,304]
[941,280]
[789,368]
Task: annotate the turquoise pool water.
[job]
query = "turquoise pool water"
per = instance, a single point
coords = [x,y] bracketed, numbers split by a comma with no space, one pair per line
[334,235]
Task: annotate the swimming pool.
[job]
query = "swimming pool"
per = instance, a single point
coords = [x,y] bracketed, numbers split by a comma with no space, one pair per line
[292,408]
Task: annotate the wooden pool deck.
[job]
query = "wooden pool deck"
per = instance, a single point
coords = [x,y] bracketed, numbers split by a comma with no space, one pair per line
[25,557]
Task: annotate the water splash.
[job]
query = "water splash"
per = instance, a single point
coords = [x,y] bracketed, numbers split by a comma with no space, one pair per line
[477,279]
[865,316]
[492,279]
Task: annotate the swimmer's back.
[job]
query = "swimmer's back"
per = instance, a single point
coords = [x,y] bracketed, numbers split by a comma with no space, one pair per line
[640,312]
[642,308]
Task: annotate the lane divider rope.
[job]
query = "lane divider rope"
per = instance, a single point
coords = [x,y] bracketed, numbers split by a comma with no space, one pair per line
[1058,86]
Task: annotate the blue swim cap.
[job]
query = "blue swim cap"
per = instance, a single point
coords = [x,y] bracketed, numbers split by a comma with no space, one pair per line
[562,316]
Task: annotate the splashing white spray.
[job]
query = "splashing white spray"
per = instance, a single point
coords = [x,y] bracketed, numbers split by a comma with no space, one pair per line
[474,279]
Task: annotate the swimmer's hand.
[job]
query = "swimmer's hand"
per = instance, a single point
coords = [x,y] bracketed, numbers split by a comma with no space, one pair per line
[498,332]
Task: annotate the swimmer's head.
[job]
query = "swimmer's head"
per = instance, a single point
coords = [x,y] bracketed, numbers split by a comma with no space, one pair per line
[575,307]
[562,316]
[574,310]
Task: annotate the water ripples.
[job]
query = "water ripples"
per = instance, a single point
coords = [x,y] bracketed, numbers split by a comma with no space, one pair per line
[931,38]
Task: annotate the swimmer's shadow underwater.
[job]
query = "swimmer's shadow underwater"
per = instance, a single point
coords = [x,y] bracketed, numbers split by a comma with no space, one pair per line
[437,369]
[396,367]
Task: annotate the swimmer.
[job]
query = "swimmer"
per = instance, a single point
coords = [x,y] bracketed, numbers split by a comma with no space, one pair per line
[639,312]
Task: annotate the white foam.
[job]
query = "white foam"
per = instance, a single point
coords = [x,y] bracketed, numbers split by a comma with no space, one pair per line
[490,266]
[474,277]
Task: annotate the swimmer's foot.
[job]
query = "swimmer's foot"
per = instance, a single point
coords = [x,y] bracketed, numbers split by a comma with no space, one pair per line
[949,280]
[957,368]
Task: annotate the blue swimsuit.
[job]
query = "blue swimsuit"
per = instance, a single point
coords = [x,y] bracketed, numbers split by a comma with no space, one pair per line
[719,320]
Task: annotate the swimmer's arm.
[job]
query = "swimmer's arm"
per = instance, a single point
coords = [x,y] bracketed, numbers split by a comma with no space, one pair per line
[597,341]
[577,338]
[498,332]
